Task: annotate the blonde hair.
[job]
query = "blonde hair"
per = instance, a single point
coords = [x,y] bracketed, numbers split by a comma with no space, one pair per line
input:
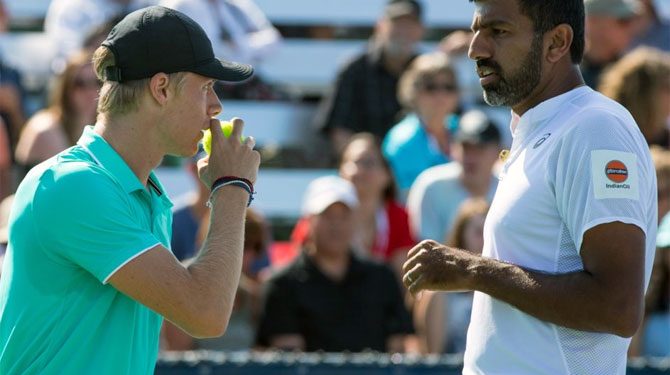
[118,98]
[423,67]
[635,81]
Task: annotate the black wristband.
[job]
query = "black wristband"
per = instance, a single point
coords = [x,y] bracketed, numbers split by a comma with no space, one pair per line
[232,180]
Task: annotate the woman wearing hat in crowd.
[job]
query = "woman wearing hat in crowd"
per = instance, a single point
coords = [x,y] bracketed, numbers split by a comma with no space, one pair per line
[382,225]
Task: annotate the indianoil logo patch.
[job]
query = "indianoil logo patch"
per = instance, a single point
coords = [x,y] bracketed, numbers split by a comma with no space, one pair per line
[616,171]
[614,174]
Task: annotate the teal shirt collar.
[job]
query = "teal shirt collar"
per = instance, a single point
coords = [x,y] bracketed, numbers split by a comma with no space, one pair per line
[104,155]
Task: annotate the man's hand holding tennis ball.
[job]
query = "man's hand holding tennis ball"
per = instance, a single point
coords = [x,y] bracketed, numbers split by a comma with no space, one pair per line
[229,153]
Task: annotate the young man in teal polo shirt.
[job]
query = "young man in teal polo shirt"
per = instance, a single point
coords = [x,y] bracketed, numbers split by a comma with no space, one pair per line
[88,274]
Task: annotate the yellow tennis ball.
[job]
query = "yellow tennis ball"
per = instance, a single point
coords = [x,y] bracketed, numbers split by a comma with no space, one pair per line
[226,127]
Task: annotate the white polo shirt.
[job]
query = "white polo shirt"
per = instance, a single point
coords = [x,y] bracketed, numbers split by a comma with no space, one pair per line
[577,160]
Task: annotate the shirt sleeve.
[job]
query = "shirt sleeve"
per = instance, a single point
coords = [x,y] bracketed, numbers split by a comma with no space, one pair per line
[84,217]
[602,173]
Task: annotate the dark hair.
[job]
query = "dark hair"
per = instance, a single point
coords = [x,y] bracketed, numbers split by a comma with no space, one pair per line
[255,232]
[391,190]
[547,14]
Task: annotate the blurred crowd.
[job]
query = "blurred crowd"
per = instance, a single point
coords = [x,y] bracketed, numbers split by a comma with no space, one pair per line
[416,155]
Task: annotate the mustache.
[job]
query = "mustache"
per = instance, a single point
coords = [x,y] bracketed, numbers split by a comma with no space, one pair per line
[488,63]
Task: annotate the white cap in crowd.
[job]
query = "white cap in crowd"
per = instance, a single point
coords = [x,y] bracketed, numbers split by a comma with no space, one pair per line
[322,192]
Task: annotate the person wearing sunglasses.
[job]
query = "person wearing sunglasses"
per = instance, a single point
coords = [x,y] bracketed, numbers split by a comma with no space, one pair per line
[430,96]
[72,105]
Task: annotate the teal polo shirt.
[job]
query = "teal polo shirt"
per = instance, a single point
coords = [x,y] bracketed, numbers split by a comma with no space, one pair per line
[76,219]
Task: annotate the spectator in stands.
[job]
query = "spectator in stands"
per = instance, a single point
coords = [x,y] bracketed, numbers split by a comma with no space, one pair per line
[609,30]
[189,214]
[243,320]
[239,31]
[438,192]
[442,319]
[382,227]
[363,98]
[328,298]
[12,92]
[11,102]
[69,22]
[653,339]
[6,182]
[652,29]
[72,106]
[428,91]
[640,81]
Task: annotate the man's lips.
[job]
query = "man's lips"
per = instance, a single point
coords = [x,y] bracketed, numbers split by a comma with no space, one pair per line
[488,79]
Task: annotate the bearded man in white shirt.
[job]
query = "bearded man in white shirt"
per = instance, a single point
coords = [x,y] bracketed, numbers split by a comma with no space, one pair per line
[569,238]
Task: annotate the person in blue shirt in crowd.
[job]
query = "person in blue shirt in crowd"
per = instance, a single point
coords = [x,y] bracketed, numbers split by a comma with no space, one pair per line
[429,92]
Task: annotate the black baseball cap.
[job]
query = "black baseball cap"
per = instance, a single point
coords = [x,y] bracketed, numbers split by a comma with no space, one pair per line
[477,128]
[398,8]
[159,39]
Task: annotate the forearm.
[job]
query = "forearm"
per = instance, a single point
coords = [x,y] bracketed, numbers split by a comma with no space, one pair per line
[576,300]
[216,271]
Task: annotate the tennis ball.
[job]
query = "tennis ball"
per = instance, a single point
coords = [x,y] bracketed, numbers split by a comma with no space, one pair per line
[226,127]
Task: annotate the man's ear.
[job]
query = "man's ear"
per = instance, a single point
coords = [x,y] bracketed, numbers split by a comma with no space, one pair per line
[158,87]
[559,41]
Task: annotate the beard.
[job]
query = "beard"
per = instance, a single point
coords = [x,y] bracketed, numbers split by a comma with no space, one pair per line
[512,88]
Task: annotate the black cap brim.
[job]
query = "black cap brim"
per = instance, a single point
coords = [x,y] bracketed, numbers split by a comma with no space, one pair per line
[225,70]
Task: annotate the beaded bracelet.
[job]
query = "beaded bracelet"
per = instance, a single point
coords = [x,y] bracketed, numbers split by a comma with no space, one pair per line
[232,180]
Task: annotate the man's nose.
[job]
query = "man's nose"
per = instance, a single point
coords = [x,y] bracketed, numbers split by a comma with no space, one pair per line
[479,47]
